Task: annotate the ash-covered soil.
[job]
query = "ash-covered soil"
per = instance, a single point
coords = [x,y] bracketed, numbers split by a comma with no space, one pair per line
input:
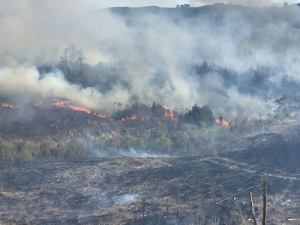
[187,190]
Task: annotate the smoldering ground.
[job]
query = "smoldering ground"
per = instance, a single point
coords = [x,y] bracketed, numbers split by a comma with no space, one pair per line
[157,50]
[115,152]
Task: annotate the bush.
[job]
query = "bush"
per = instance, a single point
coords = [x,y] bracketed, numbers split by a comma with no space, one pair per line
[201,117]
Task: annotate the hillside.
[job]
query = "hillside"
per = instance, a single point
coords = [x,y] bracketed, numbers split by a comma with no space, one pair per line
[176,190]
[217,14]
[148,115]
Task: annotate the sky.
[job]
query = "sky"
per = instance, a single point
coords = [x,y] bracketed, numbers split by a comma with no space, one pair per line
[194,3]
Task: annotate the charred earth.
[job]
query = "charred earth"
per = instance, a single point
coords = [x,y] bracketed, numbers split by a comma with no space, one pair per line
[159,190]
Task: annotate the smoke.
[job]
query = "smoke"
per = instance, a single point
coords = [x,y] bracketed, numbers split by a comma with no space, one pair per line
[194,3]
[259,3]
[115,152]
[158,50]
[126,199]
[20,82]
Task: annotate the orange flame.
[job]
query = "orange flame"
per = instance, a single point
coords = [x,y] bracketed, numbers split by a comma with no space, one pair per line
[129,118]
[224,123]
[169,114]
[82,109]
[8,105]
[103,116]
[60,104]
[248,119]
[65,103]
[40,102]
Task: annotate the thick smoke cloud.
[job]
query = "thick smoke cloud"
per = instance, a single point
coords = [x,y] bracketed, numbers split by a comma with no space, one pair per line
[259,3]
[20,82]
[194,3]
[159,49]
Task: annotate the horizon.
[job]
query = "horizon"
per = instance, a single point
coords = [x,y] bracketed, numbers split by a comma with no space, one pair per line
[193,3]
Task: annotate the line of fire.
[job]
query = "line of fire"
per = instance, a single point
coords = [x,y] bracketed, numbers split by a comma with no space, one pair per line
[68,105]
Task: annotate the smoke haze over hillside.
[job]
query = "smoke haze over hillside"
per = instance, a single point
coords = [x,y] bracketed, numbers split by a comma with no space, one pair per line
[194,3]
[259,3]
[159,48]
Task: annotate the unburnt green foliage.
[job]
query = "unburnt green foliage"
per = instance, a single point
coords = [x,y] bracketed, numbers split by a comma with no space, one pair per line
[201,117]
[194,133]
[282,111]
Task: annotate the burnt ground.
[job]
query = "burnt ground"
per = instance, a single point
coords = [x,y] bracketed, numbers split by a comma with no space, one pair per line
[186,190]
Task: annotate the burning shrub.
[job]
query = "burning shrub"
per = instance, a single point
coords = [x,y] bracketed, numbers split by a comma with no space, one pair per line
[157,110]
[131,113]
[143,112]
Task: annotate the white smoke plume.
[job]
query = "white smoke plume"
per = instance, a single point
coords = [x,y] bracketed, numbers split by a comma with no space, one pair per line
[158,49]
[258,3]
[25,82]
[126,199]
[194,3]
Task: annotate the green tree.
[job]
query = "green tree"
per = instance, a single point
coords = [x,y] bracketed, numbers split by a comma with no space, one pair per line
[180,140]
[8,151]
[199,116]
[72,62]
[45,147]
[27,151]
[282,111]
[160,141]
[129,141]
[141,143]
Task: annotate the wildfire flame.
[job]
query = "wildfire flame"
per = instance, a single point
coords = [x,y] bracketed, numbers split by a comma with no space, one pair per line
[60,104]
[129,118]
[65,103]
[169,114]
[41,102]
[247,119]
[82,109]
[8,105]
[102,116]
[223,123]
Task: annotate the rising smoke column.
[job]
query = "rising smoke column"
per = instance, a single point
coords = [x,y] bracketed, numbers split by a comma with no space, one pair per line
[25,82]
[158,49]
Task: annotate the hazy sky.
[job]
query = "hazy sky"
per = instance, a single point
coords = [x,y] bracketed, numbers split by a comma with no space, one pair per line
[172,3]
